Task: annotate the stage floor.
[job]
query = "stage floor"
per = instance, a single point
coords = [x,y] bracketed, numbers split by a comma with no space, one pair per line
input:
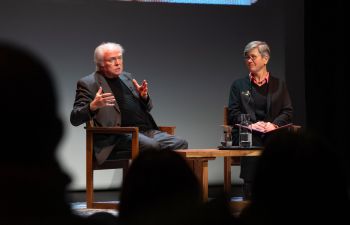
[78,204]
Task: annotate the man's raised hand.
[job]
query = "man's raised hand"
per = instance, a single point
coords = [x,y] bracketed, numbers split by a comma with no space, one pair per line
[102,100]
[142,89]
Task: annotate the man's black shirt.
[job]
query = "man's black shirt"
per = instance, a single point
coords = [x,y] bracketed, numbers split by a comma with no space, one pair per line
[132,110]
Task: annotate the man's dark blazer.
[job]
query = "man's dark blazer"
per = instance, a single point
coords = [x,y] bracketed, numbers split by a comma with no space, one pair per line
[87,88]
[279,106]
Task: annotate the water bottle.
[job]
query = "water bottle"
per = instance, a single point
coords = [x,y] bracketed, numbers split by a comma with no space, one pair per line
[245,131]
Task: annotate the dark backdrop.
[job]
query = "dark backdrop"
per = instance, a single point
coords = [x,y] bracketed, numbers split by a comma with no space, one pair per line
[325,60]
[190,55]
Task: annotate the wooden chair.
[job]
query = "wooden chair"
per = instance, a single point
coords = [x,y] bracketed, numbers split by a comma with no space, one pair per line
[229,161]
[236,161]
[123,163]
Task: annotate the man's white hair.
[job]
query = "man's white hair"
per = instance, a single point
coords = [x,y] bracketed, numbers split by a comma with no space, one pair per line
[101,49]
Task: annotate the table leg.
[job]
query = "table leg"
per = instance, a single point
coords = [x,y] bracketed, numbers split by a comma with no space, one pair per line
[227,175]
[200,169]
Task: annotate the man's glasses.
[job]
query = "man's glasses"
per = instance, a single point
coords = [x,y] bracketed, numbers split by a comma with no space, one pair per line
[112,60]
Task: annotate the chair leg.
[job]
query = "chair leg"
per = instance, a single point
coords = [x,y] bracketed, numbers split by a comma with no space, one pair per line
[89,187]
[126,168]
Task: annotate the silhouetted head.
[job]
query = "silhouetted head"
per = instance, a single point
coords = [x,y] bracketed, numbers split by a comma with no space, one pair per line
[33,183]
[300,176]
[160,188]
[31,127]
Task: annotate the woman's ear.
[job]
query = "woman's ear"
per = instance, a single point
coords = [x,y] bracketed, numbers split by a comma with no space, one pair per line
[266,59]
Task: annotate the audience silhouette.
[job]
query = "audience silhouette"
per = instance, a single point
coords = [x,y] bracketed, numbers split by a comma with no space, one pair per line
[299,179]
[33,183]
[160,189]
[218,211]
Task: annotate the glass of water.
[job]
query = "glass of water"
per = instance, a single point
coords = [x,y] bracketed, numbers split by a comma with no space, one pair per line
[245,131]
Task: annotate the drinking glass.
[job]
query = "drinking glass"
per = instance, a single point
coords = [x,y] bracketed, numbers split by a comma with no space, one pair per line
[245,131]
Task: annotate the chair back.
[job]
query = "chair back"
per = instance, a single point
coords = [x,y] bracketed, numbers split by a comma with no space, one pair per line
[225,115]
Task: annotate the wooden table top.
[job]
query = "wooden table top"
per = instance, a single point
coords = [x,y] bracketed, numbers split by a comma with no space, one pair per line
[200,153]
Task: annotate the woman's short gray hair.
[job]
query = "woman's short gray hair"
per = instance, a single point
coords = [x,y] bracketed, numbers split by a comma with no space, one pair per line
[262,47]
[102,48]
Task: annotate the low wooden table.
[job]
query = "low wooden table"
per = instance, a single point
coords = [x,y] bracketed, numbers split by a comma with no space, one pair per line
[198,160]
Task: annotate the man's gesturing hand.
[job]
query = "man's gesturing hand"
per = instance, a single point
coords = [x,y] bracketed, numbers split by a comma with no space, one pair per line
[102,100]
[143,89]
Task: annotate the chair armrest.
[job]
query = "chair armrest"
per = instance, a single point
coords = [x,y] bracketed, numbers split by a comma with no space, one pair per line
[168,129]
[134,131]
[112,130]
[295,128]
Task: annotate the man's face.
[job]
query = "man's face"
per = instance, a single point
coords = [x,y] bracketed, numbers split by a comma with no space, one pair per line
[255,61]
[112,63]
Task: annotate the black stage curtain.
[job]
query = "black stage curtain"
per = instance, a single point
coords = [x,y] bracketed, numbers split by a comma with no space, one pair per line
[326,90]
